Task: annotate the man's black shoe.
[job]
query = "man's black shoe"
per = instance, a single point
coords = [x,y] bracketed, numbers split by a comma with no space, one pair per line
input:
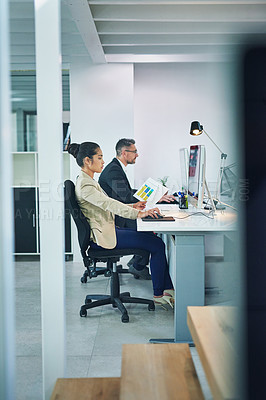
[143,273]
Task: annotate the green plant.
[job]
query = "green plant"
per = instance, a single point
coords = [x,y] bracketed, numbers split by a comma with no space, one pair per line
[163,180]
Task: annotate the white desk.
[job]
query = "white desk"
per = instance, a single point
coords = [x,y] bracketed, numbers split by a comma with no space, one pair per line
[184,239]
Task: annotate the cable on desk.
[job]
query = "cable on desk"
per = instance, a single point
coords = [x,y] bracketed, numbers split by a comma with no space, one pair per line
[228,205]
[211,216]
[218,201]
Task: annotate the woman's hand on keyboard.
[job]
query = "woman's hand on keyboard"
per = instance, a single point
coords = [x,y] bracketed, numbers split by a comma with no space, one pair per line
[153,212]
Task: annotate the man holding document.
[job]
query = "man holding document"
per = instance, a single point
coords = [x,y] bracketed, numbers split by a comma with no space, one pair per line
[114,182]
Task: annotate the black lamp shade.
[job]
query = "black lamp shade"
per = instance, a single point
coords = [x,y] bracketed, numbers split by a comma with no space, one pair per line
[196,129]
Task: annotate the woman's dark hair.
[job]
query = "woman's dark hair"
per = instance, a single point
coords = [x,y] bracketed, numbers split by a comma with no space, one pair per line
[80,151]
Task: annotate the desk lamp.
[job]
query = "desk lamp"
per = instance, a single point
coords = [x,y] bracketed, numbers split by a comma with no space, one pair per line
[196,130]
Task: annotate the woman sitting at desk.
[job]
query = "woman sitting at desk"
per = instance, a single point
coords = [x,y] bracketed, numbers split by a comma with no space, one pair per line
[99,209]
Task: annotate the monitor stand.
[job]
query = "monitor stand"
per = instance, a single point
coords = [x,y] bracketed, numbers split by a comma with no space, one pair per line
[219,206]
[213,207]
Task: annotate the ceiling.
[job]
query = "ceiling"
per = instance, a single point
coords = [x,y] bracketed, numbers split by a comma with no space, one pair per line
[139,31]
[175,30]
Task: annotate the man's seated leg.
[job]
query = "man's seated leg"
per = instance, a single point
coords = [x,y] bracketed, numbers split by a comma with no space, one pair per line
[137,267]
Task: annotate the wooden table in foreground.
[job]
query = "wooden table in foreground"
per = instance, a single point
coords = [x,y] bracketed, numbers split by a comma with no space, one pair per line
[213,332]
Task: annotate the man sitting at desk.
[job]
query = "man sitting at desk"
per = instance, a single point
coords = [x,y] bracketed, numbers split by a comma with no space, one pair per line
[114,182]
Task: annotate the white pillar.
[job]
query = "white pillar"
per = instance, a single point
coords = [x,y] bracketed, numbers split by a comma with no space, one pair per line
[50,145]
[7,331]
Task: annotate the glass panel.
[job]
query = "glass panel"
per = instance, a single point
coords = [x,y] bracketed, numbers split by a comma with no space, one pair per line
[30,137]
[24,169]
[24,119]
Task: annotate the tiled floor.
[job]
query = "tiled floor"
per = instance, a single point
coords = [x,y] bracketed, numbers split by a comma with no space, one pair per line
[94,343]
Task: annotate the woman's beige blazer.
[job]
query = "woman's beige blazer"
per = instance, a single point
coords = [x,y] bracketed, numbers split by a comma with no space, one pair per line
[99,209]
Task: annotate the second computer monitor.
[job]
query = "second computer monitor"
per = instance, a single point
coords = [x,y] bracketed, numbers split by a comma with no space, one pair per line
[196,175]
[184,164]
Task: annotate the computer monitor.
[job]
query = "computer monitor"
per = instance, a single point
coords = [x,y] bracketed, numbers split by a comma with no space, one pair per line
[184,163]
[196,175]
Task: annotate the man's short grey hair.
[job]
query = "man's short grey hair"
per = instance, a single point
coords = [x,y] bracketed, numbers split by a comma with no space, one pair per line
[123,143]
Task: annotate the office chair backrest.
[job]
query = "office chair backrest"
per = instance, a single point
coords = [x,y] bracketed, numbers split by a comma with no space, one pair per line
[80,220]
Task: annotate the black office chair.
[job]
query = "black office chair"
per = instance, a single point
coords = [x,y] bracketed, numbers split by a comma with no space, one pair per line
[91,268]
[92,256]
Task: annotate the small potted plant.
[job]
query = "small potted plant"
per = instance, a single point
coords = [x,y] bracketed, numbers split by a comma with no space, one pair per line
[163,180]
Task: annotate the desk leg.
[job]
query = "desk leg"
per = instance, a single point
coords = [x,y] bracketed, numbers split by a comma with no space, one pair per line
[187,270]
[189,280]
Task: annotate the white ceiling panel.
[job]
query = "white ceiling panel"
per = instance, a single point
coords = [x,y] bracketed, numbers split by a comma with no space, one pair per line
[214,29]
[163,27]
[179,12]
[98,28]
[141,31]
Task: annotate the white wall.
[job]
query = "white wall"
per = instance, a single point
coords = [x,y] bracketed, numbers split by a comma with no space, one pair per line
[156,107]
[155,104]
[101,104]
[167,97]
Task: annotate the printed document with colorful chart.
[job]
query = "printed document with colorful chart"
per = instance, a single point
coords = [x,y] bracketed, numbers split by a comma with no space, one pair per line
[151,191]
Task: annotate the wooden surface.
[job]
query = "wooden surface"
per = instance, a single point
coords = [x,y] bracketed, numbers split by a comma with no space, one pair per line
[86,389]
[212,329]
[158,372]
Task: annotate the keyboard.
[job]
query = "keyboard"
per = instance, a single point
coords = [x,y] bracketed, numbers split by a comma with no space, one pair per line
[159,219]
[170,202]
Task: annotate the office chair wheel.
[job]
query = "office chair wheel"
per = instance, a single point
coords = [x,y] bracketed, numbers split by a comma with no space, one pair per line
[84,277]
[151,307]
[94,274]
[127,294]
[119,267]
[125,318]
[83,313]
[107,274]
[136,276]
[88,301]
